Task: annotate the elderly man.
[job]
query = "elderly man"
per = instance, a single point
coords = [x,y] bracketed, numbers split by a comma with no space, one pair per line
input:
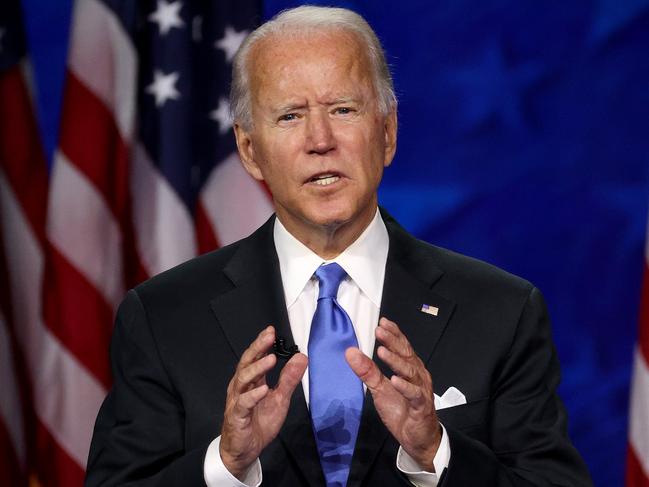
[209,388]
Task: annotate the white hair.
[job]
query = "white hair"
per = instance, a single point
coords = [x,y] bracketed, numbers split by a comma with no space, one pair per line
[305,20]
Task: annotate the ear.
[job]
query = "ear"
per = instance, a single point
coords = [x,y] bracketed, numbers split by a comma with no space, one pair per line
[246,150]
[390,131]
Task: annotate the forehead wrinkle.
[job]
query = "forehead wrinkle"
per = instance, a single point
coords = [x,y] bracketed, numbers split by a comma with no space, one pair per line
[270,59]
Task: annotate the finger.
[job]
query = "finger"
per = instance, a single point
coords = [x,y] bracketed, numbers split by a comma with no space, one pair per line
[400,366]
[258,348]
[253,375]
[291,375]
[414,394]
[389,334]
[389,325]
[365,368]
[248,400]
[392,328]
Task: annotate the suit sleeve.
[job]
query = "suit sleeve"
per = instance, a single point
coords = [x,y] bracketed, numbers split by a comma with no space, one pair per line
[138,438]
[528,442]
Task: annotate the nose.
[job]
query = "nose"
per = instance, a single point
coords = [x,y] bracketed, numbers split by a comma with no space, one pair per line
[320,138]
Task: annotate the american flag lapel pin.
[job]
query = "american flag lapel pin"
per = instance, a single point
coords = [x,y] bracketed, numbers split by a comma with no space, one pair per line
[431,310]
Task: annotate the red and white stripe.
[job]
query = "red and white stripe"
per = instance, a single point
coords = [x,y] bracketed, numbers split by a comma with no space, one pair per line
[112,221]
[638,454]
[23,192]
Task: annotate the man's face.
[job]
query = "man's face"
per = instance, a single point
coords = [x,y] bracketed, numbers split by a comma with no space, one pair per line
[318,138]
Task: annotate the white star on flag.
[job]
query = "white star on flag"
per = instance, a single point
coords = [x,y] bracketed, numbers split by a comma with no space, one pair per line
[230,42]
[163,87]
[167,15]
[222,115]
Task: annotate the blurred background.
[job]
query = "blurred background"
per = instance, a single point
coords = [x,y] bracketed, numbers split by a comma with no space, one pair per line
[523,141]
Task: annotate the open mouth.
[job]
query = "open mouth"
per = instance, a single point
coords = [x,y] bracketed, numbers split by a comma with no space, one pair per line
[324,179]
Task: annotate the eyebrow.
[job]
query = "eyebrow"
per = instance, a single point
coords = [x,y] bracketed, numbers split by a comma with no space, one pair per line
[289,107]
[343,99]
[298,105]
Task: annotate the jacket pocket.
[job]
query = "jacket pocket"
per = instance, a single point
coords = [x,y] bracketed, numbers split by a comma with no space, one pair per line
[465,416]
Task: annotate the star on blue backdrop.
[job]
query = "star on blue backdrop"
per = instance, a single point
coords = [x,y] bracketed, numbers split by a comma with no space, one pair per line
[524,142]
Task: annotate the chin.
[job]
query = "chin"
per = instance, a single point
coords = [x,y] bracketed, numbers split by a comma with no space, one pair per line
[333,216]
[328,220]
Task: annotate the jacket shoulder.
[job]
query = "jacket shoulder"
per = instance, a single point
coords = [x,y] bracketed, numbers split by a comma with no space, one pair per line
[475,273]
[191,276]
[460,275]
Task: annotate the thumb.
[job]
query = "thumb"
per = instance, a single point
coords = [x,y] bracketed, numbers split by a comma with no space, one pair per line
[291,375]
[364,367]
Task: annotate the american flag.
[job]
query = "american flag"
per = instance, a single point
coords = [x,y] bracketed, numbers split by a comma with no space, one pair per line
[637,468]
[145,176]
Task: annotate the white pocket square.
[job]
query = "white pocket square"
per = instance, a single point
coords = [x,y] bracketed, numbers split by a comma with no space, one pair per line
[452,397]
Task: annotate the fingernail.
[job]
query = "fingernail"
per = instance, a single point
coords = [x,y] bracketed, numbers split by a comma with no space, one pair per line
[354,356]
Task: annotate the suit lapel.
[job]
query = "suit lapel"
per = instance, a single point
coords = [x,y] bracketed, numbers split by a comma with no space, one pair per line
[256,301]
[404,297]
[409,276]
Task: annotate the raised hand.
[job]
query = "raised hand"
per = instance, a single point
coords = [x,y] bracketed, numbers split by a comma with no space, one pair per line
[254,413]
[405,402]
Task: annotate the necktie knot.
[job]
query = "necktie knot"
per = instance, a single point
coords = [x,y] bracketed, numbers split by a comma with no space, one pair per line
[330,277]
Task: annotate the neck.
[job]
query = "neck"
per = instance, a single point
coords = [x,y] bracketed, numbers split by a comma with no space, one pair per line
[329,241]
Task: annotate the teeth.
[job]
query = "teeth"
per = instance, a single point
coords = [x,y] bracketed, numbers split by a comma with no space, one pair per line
[326,180]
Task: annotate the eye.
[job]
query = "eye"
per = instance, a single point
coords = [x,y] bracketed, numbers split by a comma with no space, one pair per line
[287,117]
[343,110]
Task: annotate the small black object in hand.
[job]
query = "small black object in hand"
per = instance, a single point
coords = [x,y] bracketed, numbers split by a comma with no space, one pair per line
[282,351]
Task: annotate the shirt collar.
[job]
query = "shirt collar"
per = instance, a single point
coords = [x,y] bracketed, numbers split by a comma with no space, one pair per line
[364,260]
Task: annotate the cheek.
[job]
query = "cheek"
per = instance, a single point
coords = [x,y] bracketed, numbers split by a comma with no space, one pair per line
[373,152]
[278,160]
[357,142]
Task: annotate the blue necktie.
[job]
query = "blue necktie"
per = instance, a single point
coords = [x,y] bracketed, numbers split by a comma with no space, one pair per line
[335,392]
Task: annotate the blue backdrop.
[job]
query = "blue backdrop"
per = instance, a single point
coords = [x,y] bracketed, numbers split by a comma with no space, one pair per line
[523,142]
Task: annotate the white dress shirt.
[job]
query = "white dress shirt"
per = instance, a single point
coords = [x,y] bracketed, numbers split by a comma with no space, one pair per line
[360,295]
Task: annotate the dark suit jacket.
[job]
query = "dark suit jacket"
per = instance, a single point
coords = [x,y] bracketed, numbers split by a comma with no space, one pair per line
[179,336]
